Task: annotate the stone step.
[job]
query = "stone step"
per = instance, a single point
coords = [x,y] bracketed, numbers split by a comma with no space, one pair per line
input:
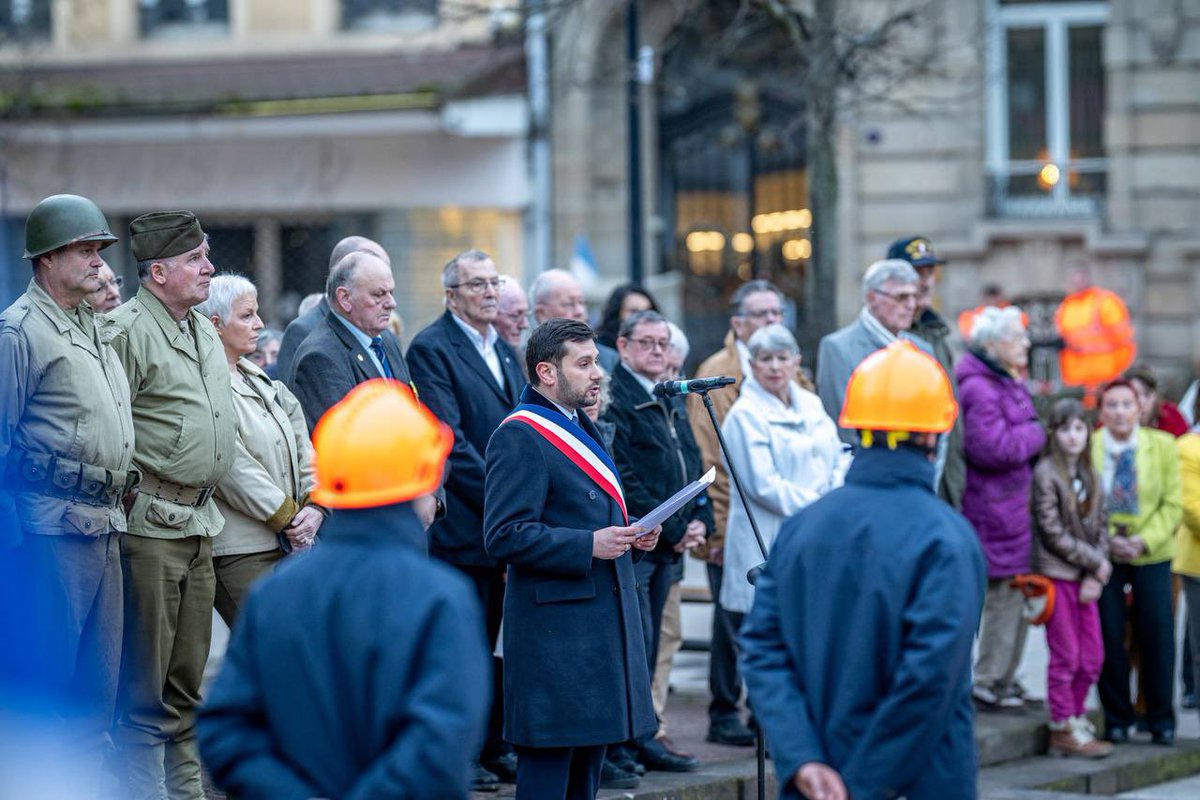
[1131,766]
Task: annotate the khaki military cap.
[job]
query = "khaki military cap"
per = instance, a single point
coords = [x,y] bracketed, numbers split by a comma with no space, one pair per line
[164,234]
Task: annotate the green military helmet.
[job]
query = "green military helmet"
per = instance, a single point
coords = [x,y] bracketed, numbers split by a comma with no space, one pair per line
[64,219]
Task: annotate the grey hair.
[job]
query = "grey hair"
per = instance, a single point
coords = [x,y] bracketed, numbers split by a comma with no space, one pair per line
[356,244]
[343,272]
[679,340]
[268,335]
[222,292]
[605,391]
[639,318]
[991,324]
[889,269]
[773,338]
[545,283]
[450,271]
[748,288]
[309,303]
[509,287]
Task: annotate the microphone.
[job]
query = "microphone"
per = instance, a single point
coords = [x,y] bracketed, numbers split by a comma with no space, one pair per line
[673,388]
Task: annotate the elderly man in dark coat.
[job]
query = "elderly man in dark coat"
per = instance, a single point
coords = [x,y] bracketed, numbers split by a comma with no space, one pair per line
[470,379]
[299,329]
[358,670]
[576,677]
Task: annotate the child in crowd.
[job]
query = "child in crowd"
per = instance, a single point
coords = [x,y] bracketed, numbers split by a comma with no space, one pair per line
[1070,546]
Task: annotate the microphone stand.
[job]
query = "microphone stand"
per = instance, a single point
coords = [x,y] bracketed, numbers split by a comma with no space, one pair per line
[760,748]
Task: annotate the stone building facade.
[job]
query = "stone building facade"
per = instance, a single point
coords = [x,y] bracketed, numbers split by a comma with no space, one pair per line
[1053,134]
[285,124]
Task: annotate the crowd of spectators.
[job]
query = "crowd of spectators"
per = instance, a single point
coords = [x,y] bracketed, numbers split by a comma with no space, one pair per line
[1104,509]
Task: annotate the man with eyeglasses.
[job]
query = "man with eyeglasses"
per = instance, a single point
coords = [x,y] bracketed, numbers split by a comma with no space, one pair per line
[890,289]
[656,456]
[108,296]
[470,379]
[512,319]
[754,305]
[557,293]
[929,325]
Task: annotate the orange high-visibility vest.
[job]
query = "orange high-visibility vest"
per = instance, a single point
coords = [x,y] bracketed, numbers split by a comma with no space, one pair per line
[1097,336]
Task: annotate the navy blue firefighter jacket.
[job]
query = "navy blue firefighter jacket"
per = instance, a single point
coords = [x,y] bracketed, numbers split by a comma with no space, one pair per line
[358,670]
[857,652]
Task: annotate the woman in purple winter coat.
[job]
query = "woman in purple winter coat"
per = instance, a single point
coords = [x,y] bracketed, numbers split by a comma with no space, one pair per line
[1001,438]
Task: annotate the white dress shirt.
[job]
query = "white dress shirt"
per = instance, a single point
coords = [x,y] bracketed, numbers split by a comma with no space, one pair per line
[486,347]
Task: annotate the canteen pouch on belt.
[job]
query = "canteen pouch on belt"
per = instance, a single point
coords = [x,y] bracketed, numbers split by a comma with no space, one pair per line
[93,484]
[35,472]
[65,477]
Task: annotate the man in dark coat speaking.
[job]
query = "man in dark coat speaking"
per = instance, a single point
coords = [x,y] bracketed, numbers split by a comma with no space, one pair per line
[857,652]
[358,670]
[575,675]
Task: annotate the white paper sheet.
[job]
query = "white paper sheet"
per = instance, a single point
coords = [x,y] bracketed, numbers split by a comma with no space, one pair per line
[676,502]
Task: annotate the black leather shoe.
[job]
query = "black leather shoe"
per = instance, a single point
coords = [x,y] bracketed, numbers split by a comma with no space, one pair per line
[1117,734]
[731,732]
[613,777]
[483,780]
[624,755]
[1165,737]
[657,755]
[504,766]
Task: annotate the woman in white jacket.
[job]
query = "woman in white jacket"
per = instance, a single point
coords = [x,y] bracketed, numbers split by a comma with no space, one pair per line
[784,448]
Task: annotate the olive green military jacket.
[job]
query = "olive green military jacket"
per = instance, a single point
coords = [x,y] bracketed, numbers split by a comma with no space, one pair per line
[272,474]
[65,426]
[183,416]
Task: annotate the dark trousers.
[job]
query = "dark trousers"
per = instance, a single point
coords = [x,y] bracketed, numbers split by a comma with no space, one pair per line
[489,587]
[724,680]
[654,579]
[1154,633]
[558,773]
[1191,591]
[235,575]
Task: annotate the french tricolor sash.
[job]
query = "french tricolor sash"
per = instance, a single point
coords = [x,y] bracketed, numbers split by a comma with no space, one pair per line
[574,443]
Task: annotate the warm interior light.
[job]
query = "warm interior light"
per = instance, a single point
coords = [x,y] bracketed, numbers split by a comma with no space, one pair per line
[743,242]
[705,241]
[797,249]
[1048,176]
[779,221]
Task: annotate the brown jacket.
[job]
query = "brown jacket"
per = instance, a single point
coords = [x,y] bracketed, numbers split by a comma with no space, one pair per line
[723,362]
[1065,546]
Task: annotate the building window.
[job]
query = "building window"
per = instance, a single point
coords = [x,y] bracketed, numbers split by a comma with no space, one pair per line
[1046,108]
[23,20]
[164,18]
[389,15]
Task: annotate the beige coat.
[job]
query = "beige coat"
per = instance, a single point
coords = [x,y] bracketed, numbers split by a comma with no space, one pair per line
[272,473]
[183,414]
[65,396]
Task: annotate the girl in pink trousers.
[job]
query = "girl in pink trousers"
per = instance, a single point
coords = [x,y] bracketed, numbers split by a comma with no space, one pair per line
[1070,546]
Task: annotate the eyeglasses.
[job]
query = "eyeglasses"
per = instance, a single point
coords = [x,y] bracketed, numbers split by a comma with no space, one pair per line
[764,313]
[514,316]
[116,283]
[899,297]
[652,344]
[478,285]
